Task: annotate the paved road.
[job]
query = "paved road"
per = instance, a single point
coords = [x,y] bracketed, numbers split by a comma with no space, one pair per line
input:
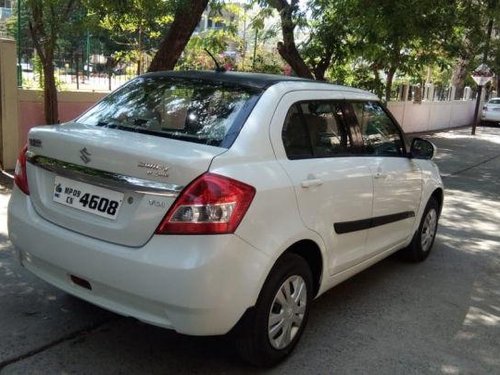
[438,317]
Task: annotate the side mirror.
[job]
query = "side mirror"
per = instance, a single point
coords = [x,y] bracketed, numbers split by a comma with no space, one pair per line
[422,149]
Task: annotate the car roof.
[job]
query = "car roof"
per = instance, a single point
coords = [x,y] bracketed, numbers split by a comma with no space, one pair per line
[259,81]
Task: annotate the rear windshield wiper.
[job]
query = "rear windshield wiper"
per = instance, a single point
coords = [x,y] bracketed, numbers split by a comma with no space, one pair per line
[107,124]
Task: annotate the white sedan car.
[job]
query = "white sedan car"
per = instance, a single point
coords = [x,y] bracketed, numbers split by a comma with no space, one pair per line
[214,203]
[491,112]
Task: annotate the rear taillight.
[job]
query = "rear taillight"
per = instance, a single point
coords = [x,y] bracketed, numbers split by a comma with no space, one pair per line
[20,177]
[211,204]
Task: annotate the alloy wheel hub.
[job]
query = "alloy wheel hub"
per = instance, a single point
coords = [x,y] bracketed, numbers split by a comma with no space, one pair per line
[287,312]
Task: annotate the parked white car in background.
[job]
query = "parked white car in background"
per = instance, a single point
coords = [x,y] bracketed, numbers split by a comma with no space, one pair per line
[209,202]
[491,112]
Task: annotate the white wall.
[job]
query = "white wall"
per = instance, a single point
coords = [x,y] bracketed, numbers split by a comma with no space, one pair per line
[429,116]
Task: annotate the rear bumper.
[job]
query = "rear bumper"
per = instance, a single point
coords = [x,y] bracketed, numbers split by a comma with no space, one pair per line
[490,116]
[198,285]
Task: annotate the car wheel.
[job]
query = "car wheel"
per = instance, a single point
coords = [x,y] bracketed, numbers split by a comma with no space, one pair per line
[421,244]
[271,332]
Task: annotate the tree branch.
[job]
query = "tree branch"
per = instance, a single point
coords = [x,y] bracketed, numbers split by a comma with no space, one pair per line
[36,42]
[287,48]
[186,18]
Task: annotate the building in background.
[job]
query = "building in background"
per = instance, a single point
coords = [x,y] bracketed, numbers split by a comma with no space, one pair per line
[6,10]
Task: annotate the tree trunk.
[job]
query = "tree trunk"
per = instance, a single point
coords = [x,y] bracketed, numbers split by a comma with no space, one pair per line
[186,18]
[319,73]
[50,93]
[45,18]
[139,52]
[75,59]
[291,55]
[459,76]
[45,49]
[378,86]
[287,48]
[320,69]
[388,84]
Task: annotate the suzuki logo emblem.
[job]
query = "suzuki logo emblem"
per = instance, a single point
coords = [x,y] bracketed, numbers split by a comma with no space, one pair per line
[85,155]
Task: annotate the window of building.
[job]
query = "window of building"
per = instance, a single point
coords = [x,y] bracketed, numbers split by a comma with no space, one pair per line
[6,3]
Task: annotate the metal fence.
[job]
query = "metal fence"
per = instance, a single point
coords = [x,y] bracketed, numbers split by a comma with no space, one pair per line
[419,93]
[436,93]
[96,72]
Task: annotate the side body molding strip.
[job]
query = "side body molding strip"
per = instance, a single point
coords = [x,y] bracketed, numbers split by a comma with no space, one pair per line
[353,226]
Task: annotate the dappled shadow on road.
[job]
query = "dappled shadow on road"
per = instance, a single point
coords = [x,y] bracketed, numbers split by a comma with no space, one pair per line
[472,221]
[471,224]
[6,183]
[33,313]
[394,316]
[12,281]
[4,190]
[458,149]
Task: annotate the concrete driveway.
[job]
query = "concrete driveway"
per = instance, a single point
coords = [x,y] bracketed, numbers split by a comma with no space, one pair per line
[438,317]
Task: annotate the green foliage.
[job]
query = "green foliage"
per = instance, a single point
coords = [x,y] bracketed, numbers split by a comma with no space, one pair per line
[11,23]
[38,71]
[371,43]
[265,62]
[217,40]
[364,43]
[472,42]
[330,35]
[131,27]
[358,75]
[403,36]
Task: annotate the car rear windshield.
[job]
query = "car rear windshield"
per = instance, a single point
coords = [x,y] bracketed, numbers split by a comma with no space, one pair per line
[193,110]
[494,101]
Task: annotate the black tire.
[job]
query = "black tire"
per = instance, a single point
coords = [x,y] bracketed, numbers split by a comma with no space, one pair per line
[421,245]
[253,341]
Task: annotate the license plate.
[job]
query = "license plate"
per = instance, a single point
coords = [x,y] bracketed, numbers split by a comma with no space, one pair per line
[89,198]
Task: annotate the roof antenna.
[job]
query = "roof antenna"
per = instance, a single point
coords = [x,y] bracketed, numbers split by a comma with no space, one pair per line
[218,68]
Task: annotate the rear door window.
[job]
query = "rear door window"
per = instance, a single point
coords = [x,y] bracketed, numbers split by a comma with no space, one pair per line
[316,129]
[192,110]
[296,136]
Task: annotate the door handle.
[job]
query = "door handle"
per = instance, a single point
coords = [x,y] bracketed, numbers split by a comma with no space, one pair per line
[311,182]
